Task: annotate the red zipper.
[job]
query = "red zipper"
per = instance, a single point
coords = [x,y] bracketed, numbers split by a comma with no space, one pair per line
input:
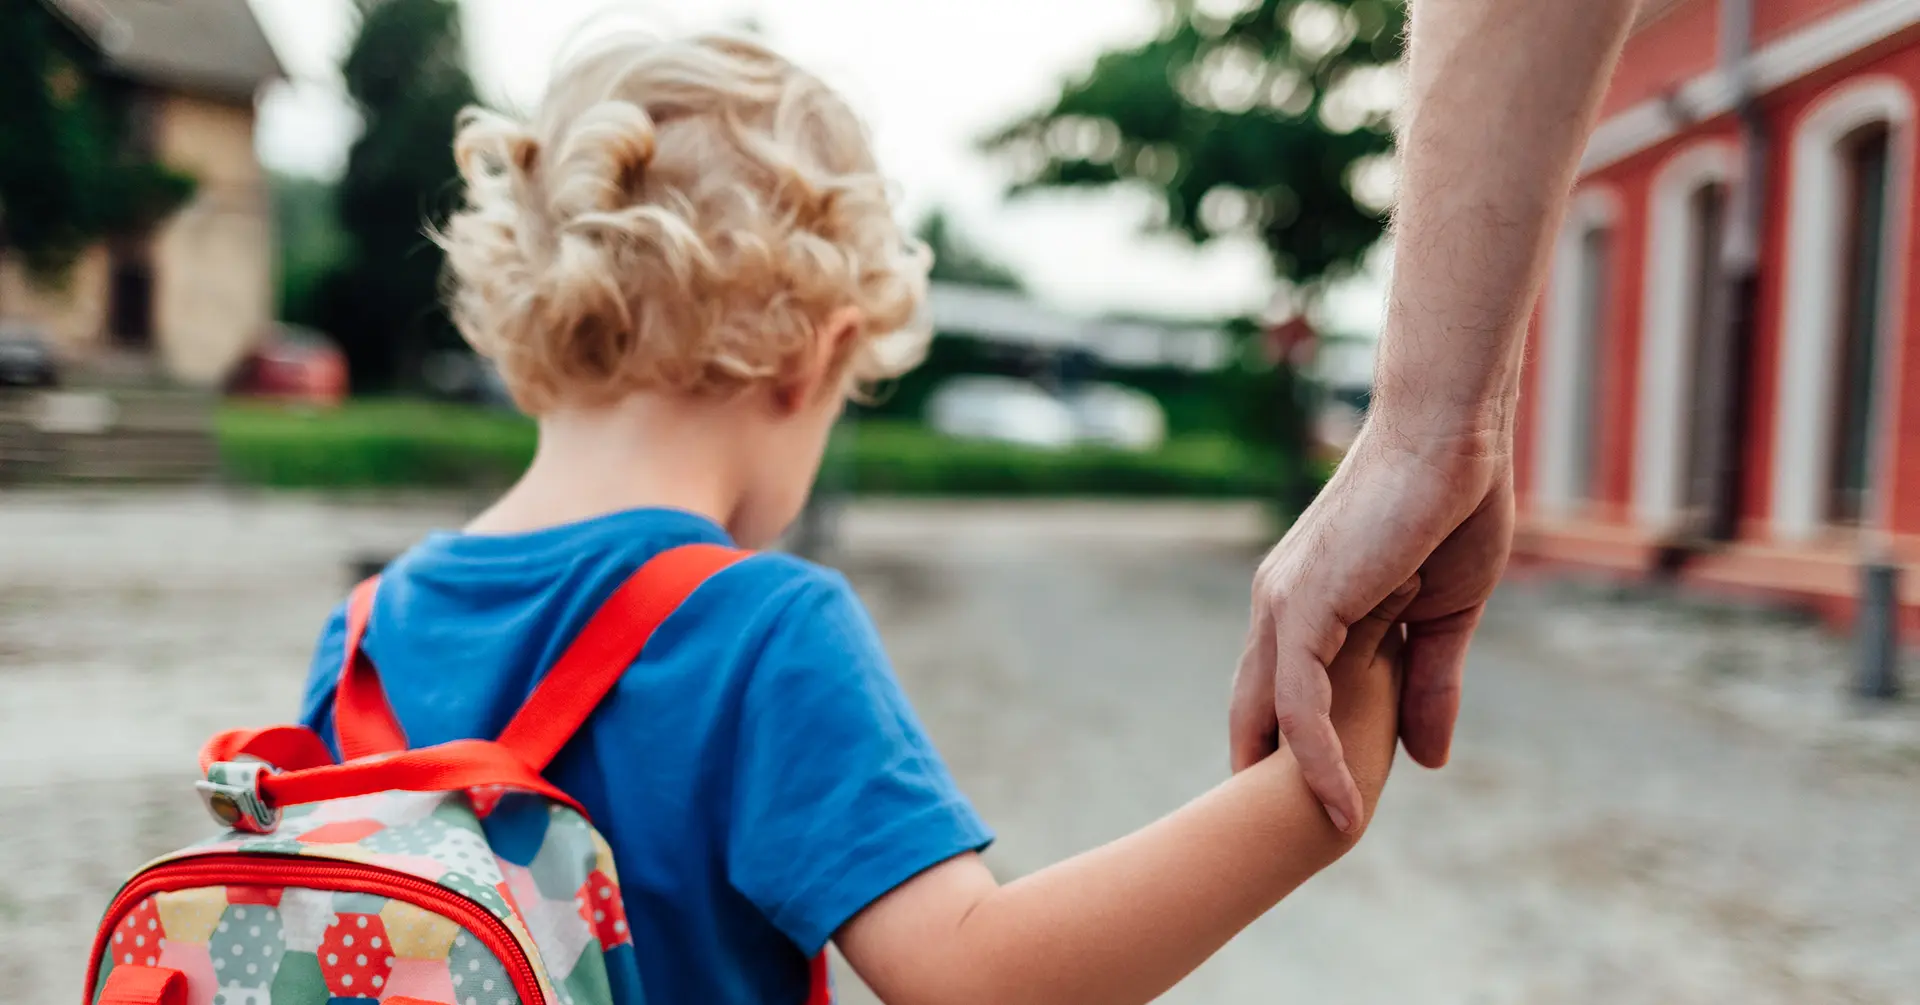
[311,873]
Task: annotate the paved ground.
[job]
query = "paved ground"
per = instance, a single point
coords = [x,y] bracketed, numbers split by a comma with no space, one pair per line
[1648,804]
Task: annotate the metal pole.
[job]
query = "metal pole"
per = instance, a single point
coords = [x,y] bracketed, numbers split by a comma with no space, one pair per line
[1877,671]
[1877,615]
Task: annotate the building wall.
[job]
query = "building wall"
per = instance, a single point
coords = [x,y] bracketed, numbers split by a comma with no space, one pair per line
[1629,181]
[213,260]
[71,312]
[1787,111]
[1774,18]
[1675,47]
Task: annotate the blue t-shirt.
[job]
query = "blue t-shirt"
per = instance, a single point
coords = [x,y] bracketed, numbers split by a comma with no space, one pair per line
[758,771]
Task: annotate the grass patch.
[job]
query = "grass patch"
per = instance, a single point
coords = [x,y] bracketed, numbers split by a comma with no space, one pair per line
[396,444]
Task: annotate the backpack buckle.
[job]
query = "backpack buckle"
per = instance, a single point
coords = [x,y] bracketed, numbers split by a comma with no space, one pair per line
[231,792]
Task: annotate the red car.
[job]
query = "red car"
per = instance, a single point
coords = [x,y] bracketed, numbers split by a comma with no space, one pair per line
[293,364]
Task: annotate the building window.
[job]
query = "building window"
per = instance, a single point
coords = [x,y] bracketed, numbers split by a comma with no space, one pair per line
[1849,179]
[1675,425]
[1569,398]
[1864,159]
[1596,265]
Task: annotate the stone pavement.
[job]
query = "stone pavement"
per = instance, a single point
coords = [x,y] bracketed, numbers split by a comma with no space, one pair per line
[1643,807]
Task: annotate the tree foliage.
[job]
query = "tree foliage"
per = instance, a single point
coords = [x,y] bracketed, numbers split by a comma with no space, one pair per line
[307,227]
[958,260]
[68,175]
[406,73]
[1262,117]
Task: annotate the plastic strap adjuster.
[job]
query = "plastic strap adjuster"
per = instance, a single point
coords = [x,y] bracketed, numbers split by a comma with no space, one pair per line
[231,792]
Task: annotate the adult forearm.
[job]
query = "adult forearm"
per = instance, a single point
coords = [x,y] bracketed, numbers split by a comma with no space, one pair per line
[1502,95]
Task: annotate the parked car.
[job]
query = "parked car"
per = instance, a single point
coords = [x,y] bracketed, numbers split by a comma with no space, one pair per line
[464,376]
[26,358]
[292,364]
[1002,409]
[1114,415]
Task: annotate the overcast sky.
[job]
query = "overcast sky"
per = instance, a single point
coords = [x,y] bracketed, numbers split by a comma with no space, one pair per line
[930,76]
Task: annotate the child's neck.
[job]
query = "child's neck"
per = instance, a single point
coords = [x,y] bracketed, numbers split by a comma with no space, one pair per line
[643,451]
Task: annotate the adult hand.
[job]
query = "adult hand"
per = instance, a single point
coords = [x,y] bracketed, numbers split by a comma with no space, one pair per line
[1404,513]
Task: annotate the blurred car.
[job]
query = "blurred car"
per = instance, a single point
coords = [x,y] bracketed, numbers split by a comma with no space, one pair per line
[1114,415]
[292,364]
[26,359]
[1004,410]
[463,376]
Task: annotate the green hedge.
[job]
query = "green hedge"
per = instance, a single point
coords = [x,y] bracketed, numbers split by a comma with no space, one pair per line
[373,444]
[894,458]
[406,444]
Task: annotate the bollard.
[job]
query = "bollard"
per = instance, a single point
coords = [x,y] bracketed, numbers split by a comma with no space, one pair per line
[1877,626]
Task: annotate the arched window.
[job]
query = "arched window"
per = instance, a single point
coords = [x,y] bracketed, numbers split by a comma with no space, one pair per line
[1863,158]
[1578,314]
[1686,216]
[1851,166]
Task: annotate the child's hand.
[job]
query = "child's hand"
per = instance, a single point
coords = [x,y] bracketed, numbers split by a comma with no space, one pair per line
[1366,678]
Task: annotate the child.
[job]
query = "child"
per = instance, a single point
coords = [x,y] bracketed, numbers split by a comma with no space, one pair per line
[682,267]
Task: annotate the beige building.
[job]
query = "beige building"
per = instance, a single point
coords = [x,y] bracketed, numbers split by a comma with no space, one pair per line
[195,293]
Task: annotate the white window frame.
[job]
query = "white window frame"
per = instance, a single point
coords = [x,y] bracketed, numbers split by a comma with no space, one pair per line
[1556,482]
[1670,303]
[1810,322]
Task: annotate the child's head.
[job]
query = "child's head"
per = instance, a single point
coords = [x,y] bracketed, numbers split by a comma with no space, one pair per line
[694,219]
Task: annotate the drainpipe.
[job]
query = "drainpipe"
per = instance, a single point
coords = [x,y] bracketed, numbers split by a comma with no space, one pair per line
[1727,352]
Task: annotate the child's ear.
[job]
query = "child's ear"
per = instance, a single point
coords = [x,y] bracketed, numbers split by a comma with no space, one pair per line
[819,371]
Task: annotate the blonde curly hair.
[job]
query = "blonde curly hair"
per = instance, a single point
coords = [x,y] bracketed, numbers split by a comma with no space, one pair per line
[680,215]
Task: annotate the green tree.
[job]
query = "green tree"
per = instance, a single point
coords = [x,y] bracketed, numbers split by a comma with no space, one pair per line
[1263,117]
[406,73]
[312,246]
[68,177]
[957,260]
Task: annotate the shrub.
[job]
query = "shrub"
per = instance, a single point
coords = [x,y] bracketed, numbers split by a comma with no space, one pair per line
[411,444]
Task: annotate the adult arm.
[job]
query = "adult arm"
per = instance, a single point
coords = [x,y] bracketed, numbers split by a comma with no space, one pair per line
[1502,95]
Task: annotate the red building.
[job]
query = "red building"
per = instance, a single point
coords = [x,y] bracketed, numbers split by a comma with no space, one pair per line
[1719,384]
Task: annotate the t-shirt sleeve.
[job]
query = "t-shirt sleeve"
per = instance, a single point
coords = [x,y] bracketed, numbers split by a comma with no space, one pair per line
[839,796]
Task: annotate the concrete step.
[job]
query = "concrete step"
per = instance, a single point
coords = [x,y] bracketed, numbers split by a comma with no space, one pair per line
[124,434]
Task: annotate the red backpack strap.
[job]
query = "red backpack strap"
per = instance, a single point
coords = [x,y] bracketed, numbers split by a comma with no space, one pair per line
[448,767]
[141,985]
[606,647]
[362,719]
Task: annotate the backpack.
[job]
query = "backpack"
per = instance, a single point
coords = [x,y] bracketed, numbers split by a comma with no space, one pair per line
[453,874]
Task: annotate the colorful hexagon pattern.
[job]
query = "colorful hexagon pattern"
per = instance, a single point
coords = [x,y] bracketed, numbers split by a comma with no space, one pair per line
[417,838]
[137,939]
[247,945]
[516,830]
[355,956]
[189,915]
[566,855]
[478,976]
[540,869]
[601,907]
[417,934]
[343,832]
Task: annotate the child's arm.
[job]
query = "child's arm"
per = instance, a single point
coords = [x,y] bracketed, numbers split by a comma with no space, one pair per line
[1124,922]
